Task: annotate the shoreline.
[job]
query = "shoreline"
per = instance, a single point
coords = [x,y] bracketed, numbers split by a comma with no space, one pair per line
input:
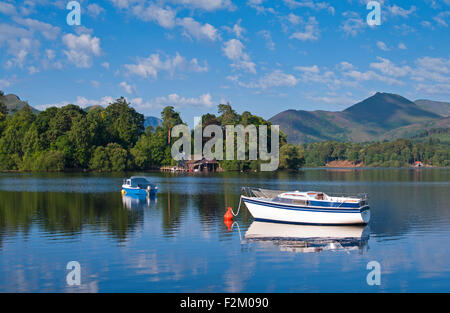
[362,167]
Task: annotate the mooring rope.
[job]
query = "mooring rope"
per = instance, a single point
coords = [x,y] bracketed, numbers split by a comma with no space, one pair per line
[239,207]
[239,229]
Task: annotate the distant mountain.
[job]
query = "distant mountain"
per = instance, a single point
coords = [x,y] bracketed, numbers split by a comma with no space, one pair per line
[152,121]
[370,119]
[92,107]
[14,104]
[441,108]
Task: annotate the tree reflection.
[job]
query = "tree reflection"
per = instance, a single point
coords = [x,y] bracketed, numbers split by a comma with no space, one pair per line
[66,213]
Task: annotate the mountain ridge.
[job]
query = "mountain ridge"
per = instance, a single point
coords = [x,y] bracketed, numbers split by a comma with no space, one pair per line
[368,120]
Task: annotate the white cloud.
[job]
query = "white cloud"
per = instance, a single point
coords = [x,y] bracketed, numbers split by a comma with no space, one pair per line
[165,17]
[310,4]
[81,49]
[237,29]
[294,19]
[276,78]
[33,70]
[434,89]
[207,5]
[153,65]
[370,75]
[258,6]
[50,32]
[19,42]
[381,45]
[234,50]
[402,46]
[430,69]
[440,18]
[122,4]
[4,84]
[80,101]
[353,24]
[95,83]
[50,54]
[19,36]
[309,69]
[268,37]
[128,88]
[395,10]
[175,100]
[95,10]
[7,8]
[345,66]
[334,98]
[197,30]
[386,67]
[315,75]
[311,31]
[426,24]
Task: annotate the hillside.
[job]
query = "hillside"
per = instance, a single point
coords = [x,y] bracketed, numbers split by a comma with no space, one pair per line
[438,107]
[14,104]
[371,119]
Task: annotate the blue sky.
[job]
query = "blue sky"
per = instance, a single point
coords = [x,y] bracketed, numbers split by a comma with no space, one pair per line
[260,55]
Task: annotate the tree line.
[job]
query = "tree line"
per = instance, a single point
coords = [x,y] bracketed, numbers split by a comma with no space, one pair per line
[99,139]
[115,139]
[398,153]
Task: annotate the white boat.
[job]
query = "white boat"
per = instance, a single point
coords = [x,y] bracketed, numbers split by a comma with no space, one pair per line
[309,207]
[308,238]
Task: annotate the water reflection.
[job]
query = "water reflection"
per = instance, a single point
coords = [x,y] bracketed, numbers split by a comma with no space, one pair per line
[178,242]
[138,202]
[309,238]
[65,215]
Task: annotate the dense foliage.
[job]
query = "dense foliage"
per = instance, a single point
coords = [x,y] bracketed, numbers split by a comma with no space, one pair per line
[114,139]
[398,153]
[69,138]
[104,139]
[228,116]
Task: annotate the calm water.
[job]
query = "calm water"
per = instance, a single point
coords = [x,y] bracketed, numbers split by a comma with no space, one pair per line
[178,242]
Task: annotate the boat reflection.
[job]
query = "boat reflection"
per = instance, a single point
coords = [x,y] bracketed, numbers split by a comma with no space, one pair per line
[309,238]
[137,202]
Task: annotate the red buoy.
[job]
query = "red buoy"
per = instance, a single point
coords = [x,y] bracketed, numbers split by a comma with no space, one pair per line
[228,216]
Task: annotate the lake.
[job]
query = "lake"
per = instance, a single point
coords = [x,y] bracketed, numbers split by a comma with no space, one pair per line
[178,242]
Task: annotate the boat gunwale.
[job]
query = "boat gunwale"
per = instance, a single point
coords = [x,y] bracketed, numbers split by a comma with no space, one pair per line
[300,207]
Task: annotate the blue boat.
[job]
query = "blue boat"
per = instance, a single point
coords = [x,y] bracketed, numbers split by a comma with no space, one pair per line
[139,186]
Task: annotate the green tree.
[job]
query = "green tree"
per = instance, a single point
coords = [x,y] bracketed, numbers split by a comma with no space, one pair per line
[227,115]
[142,151]
[11,143]
[112,158]
[124,125]
[291,157]
[170,118]
[3,107]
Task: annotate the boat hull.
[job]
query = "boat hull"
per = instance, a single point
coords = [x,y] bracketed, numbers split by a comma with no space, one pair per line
[138,191]
[266,210]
